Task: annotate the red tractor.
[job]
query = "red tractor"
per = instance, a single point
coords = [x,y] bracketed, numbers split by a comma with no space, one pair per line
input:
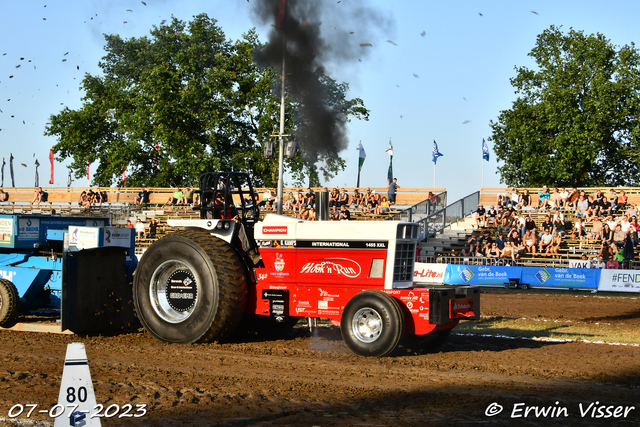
[197,284]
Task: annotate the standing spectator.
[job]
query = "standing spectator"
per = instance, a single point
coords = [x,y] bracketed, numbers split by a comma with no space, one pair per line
[139,229]
[481,216]
[391,191]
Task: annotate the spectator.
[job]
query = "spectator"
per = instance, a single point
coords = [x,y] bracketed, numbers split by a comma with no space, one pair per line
[491,217]
[611,222]
[493,251]
[605,207]
[129,225]
[84,201]
[391,191]
[509,224]
[472,244]
[606,235]
[4,196]
[153,228]
[619,236]
[500,241]
[559,226]
[501,199]
[606,252]
[547,224]
[333,197]
[39,196]
[530,242]
[622,200]
[573,197]
[525,199]
[173,199]
[356,200]
[613,199]
[96,198]
[516,242]
[545,240]
[554,247]
[596,228]
[578,229]
[312,214]
[581,207]
[385,205]
[514,197]
[345,215]
[509,251]
[564,197]
[592,210]
[143,197]
[484,242]
[139,229]
[625,223]
[187,197]
[529,225]
[343,199]
[555,200]
[481,217]
[543,197]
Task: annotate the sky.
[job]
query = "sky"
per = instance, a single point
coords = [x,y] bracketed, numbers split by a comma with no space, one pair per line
[434,71]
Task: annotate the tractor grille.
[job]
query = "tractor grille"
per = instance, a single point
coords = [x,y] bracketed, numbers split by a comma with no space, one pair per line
[403,267]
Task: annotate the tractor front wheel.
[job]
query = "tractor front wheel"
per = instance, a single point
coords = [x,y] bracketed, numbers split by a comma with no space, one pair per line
[372,324]
[8,303]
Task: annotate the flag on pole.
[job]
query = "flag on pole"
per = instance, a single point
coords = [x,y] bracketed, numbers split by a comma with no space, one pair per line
[390,153]
[436,153]
[13,182]
[281,8]
[362,155]
[51,160]
[485,150]
[37,175]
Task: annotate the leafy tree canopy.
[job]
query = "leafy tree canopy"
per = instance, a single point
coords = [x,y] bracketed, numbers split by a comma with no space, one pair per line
[183,101]
[576,118]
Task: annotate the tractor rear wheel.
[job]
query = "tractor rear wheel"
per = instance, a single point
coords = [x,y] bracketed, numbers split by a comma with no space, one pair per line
[372,324]
[9,301]
[190,287]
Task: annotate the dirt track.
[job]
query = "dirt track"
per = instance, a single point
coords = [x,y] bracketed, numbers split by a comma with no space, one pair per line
[314,380]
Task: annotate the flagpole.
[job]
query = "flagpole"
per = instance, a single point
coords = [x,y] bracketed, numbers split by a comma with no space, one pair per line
[482,181]
[434,175]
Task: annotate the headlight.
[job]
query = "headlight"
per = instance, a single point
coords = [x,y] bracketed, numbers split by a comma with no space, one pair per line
[219,226]
[226,225]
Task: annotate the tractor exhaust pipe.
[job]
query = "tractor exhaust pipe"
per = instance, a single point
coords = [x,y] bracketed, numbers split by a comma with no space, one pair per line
[322,208]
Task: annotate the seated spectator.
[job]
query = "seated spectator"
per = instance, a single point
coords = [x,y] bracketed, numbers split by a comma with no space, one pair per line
[333,197]
[501,199]
[84,201]
[384,204]
[545,241]
[493,251]
[312,214]
[516,242]
[356,199]
[611,222]
[619,236]
[139,229]
[547,224]
[530,242]
[481,217]
[599,197]
[343,198]
[472,244]
[622,201]
[555,200]
[304,213]
[345,215]
[4,196]
[334,213]
[573,198]
[543,197]
[529,225]
[500,241]
[613,199]
[484,242]
[625,223]
[596,228]
[290,202]
[525,199]
[39,196]
[129,225]
[491,217]
[605,207]
[606,252]
[142,197]
[153,228]
[559,226]
[509,251]
[592,210]
[581,207]
[564,197]
[173,199]
[606,235]
[578,229]
[554,247]
[187,196]
[515,197]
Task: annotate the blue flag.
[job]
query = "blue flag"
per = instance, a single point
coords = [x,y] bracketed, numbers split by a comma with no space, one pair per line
[436,153]
[485,150]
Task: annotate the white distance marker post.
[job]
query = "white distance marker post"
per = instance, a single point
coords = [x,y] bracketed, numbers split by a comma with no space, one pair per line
[77,398]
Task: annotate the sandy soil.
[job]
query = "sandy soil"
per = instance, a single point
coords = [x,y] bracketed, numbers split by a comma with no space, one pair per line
[312,379]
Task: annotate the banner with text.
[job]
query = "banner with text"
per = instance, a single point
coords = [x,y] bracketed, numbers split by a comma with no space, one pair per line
[424,273]
[480,274]
[561,277]
[619,281]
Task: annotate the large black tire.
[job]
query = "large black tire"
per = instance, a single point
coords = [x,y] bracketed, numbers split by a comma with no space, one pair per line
[372,324]
[190,287]
[9,301]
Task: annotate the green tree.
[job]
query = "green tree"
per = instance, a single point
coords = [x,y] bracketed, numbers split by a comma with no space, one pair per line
[576,119]
[178,103]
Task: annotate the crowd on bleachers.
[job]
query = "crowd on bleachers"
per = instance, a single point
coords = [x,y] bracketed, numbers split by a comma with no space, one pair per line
[604,228]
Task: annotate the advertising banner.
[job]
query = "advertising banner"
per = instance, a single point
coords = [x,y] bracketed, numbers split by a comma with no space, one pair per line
[480,274]
[561,277]
[427,273]
[619,281]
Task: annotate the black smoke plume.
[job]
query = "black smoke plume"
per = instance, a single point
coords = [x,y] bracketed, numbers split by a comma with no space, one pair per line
[319,34]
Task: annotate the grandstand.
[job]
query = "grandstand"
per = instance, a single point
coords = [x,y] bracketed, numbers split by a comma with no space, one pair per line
[451,234]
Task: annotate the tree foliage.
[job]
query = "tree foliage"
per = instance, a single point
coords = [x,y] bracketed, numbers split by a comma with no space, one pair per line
[180,102]
[575,120]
